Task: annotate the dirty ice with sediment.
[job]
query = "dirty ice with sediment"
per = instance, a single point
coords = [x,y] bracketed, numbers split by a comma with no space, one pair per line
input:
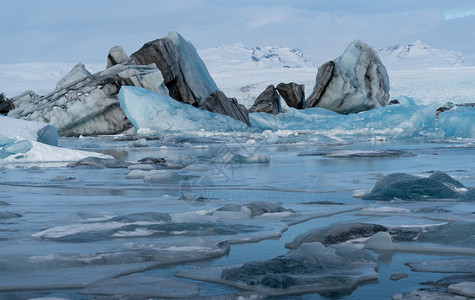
[309,204]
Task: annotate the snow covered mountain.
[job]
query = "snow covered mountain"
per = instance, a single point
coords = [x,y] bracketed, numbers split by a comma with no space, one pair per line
[418,55]
[237,55]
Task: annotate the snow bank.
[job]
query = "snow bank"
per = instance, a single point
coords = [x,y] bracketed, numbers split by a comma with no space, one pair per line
[34,131]
[31,142]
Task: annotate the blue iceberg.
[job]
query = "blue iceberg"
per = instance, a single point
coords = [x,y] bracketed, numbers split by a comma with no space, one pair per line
[394,121]
[458,122]
[10,146]
[153,113]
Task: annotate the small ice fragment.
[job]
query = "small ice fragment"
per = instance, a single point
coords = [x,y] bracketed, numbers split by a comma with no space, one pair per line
[398,276]
[466,289]
[139,143]
[379,241]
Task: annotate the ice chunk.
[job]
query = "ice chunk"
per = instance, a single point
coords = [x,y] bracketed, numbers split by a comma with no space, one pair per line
[94,162]
[394,121]
[405,101]
[398,276]
[336,233]
[160,113]
[458,122]
[256,208]
[453,234]
[466,289]
[408,187]
[427,295]
[458,265]
[30,130]
[354,82]
[24,151]
[161,176]
[139,143]
[142,286]
[379,241]
[311,268]
[137,174]
[270,137]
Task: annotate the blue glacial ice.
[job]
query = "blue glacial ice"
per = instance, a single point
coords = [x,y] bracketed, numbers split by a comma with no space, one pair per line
[458,122]
[151,113]
[159,113]
[395,121]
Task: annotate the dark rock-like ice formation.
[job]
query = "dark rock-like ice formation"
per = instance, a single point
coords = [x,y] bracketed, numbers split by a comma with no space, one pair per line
[354,82]
[117,55]
[336,233]
[293,94]
[5,104]
[187,77]
[217,102]
[409,187]
[87,104]
[268,101]
[185,74]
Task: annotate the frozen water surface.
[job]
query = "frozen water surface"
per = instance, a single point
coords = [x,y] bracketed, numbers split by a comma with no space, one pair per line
[126,223]
[206,209]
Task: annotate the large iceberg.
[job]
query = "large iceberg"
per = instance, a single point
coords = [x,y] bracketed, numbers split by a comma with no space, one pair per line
[354,82]
[185,74]
[187,77]
[87,104]
[151,112]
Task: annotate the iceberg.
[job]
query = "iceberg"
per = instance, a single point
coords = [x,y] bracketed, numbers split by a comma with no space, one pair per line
[149,111]
[458,122]
[409,187]
[354,82]
[185,74]
[87,104]
[336,233]
[393,121]
[29,130]
[24,141]
[310,268]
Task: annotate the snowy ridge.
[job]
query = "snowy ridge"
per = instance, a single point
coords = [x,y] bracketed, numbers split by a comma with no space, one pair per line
[418,55]
[237,55]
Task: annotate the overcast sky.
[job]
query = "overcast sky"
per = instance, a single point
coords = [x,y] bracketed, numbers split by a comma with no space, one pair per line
[85,30]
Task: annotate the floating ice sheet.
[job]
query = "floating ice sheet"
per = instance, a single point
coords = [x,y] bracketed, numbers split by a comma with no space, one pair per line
[142,286]
[311,268]
[459,265]
[64,278]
